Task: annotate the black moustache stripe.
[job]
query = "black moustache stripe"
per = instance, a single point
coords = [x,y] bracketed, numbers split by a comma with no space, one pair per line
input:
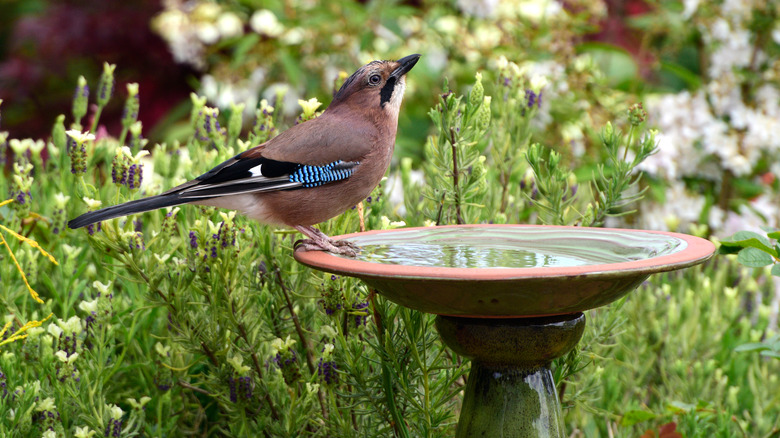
[387,91]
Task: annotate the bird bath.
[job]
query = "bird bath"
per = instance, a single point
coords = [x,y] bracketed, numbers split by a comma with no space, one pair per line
[510,297]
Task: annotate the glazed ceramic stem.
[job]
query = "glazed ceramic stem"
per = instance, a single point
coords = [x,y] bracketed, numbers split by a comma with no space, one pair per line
[510,391]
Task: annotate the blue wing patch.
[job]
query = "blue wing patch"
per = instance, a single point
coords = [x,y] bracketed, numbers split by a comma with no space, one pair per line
[313,176]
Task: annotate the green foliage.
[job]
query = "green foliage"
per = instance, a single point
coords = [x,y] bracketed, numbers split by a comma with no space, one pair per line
[671,359]
[201,323]
[754,250]
[456,169]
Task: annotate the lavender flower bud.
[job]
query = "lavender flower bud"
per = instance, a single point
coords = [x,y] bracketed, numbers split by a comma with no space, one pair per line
[326,370]
[527,182]
[169,223]
[106,84]
[636,114]
[59,216]
[135,170]
[137,142]
[212,122]
[58,136]
[21,183]
[134,240]
[483,115]
[119,168]
[236,118]
[288,363]
[530,98]
[477,92]
[360,312]
[135,176]
[193,240]
[80,100]
[3,148]
[132,104]
[286,359]
[198,103]
[78,159]
[608,132]
[264,122]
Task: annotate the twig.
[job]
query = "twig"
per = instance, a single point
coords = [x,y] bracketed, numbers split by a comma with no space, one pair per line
[399,426]
[455,172]
[302,336]
[186,385]
[258,368]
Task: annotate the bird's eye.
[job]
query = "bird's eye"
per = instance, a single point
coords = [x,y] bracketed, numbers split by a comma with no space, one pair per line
[375,79]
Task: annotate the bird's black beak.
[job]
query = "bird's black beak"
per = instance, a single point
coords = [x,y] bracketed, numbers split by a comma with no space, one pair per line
[406,64]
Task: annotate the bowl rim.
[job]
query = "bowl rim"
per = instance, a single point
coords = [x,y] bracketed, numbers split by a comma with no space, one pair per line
[697,251]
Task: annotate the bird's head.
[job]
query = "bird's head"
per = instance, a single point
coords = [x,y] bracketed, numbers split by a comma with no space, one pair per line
[378,85]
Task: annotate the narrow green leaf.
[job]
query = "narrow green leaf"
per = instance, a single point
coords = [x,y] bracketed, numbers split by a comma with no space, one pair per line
[753,346]
[769,353]
[682,73]
[680,407]
[631,418]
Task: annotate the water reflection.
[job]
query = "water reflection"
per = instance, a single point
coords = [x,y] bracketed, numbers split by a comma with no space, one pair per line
[508,247]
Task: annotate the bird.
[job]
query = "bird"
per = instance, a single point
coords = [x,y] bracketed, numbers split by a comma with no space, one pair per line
[309,173]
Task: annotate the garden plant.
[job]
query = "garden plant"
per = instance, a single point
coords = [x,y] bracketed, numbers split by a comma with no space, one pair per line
[197,321]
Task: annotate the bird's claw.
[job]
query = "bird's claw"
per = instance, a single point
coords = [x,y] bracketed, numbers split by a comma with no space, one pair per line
[345,243]
[340,247]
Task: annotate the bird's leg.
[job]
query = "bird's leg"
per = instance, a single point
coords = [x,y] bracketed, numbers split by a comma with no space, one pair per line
[319,241]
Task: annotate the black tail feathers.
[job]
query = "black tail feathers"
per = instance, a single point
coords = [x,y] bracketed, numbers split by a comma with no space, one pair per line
[137,206]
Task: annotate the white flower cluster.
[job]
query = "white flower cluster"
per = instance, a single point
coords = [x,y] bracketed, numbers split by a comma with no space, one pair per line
[718,128]
[190,27]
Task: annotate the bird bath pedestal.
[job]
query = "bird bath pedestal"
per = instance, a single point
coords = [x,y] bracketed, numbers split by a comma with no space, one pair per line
[510,297]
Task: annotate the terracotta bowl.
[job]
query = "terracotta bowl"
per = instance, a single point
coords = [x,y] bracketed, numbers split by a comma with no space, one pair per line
[509,270]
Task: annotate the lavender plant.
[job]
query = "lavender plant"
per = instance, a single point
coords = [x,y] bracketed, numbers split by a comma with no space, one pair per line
[196,321]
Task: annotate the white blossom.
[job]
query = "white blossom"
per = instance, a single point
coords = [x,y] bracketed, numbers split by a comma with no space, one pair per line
[46,404]
[92,204]
[80,137]
[677,212]
[237,362]
[71,326]
[229,25]
[115,411]
[103,289]
[265,22]
[478,8]
[83,432]
[207,33]
[89,306]
[162,350]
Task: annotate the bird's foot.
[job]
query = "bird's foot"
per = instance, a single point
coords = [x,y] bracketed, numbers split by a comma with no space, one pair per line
[318,241]
[334,247]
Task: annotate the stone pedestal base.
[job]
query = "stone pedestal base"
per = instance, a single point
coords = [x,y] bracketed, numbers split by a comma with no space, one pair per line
[510,391]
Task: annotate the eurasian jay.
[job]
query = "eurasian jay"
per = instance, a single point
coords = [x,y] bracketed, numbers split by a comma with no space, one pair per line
[307,174]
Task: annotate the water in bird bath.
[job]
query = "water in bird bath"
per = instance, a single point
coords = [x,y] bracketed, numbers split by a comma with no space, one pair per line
[528,247]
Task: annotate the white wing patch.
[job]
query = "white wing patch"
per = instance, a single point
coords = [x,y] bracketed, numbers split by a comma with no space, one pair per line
[256,171]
